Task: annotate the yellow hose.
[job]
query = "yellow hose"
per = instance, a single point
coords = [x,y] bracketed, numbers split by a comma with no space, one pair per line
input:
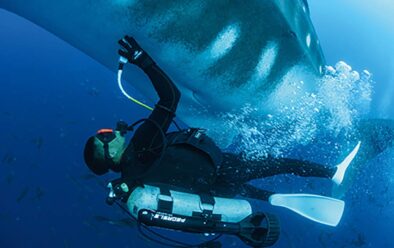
[127,95]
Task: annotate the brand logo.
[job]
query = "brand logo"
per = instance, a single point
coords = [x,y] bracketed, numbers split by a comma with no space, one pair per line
[168,217]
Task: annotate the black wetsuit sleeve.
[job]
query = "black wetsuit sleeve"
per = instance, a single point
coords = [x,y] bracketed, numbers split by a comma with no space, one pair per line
[148,138]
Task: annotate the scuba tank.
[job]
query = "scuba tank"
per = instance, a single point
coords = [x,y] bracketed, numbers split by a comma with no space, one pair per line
[176,210]
[187,204]
[155,203]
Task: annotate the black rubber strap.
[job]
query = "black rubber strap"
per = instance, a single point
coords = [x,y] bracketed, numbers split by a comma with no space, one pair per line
[207,213]
[162,205]
[165,191]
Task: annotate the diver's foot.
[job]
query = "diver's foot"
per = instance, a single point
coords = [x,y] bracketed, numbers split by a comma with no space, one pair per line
[342,167]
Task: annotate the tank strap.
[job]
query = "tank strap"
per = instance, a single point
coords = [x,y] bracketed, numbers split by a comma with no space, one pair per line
[207,199]
[165,203]
[207,206]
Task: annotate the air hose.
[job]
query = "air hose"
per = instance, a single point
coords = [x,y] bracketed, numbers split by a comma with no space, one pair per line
[122,62]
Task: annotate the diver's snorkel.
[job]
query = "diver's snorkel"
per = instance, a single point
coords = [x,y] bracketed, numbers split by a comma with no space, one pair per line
[122,62]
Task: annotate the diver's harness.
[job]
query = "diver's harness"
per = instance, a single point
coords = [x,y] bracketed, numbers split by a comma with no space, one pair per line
[166,207]
[194,137]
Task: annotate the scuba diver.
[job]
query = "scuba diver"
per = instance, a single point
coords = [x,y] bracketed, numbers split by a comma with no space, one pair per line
[186,165]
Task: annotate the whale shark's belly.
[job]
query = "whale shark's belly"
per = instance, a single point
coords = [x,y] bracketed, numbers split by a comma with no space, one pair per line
[223,55]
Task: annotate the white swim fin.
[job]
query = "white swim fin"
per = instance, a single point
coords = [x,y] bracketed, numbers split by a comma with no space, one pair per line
[342,167]
[321,209]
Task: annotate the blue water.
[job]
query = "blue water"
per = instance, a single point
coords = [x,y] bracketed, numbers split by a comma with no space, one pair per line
[53,97]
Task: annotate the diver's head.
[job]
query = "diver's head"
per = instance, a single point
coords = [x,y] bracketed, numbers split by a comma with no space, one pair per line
[104,151]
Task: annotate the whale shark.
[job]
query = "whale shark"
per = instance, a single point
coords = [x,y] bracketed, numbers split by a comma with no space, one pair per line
[222,55]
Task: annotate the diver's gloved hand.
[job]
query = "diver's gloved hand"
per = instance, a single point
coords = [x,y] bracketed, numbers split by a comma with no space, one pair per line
[133,52]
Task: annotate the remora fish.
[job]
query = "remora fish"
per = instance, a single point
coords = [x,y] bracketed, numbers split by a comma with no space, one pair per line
[222,54]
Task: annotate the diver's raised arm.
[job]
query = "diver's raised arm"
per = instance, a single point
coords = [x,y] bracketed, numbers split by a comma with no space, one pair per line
[168,93]
[148,138]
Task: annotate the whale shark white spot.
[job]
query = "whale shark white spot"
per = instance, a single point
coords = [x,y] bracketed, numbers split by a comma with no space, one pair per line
[263,68]
[308,40]
[218,48]
[267,60]
[224,41]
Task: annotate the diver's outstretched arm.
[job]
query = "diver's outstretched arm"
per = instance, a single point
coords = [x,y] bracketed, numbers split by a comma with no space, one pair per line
[169,94]
[148,137]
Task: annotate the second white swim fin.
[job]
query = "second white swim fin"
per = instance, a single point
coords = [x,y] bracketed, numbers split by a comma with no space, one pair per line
[321,209]
[342,167]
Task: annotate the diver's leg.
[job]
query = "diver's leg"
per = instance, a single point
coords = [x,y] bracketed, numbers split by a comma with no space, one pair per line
[231,190]
[235,169]
[249,191]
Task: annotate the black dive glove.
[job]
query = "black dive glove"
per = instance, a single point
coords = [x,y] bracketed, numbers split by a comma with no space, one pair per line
[133,52]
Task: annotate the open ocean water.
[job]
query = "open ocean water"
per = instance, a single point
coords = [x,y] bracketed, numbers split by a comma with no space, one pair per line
[52,97]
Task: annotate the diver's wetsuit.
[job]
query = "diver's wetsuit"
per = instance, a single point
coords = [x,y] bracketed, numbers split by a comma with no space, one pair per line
[187,167]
